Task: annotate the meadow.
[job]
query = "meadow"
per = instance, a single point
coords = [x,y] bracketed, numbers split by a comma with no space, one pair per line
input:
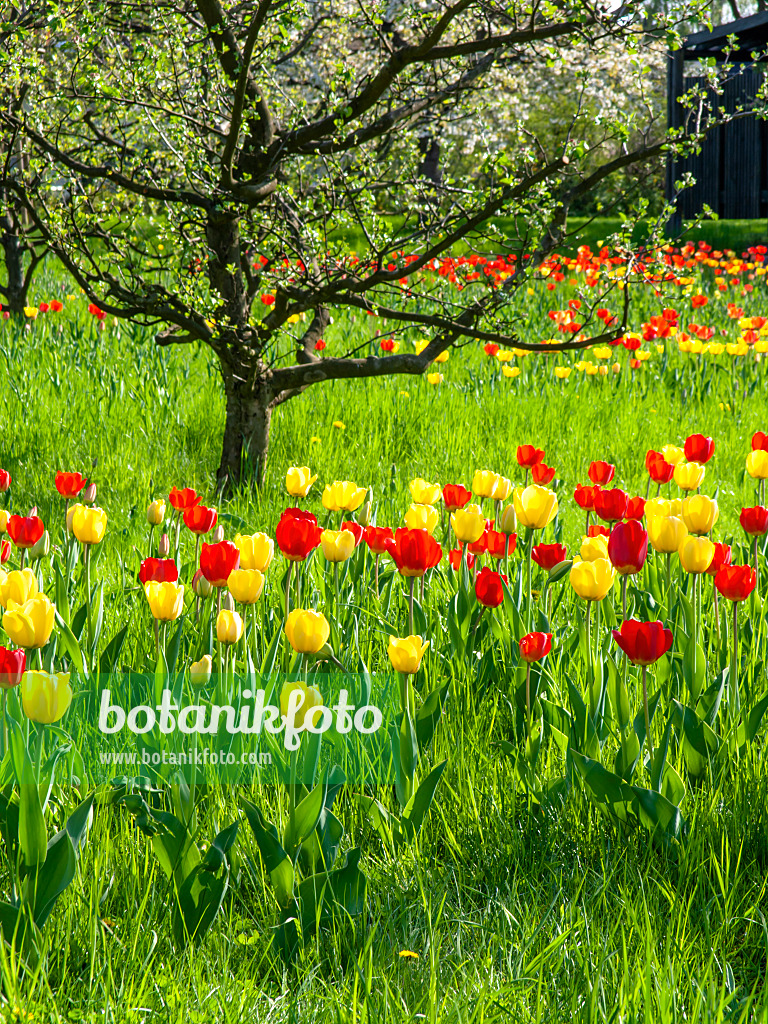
[525,894]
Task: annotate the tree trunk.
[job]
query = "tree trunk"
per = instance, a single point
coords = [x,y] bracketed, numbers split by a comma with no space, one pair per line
[15,288]
[246,434]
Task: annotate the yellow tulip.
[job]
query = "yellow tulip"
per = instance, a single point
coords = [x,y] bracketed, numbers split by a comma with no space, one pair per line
[311,699]
[672,454]
[156,512]
[508,520]
[298,481]
[343,495]
[593,547]
[17,586]
[406,653]
[700,513]
[592,580]
[45,696]
[421,517]
[435,378]
[689,475]
[4,517]
[30,624]
[246,585]
[337,545]
[696,554]
[166,600]
[468,524]
[256,551]
[501,489]
[229,627]
[89,524]
[657,507]
[535,506]
[307,631]
[666,533]
[200,671]
[757,465]
[71,512]
[424,493]
[484,483]
[562,372]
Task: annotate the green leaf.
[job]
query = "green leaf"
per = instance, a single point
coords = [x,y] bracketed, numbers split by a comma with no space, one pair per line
[276,861]
[33,838]
[110,656]
[304,820]
[429,715]
[419,804]
[70,644]
[53,877]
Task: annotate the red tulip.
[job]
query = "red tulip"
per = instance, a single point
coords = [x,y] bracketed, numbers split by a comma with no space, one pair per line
[219,561]
[455,496]
[414,551]
[182,500]
[490,348]
[699,448]
[635,508]
[528,456]
[736,582]
[480,546]
[5,480]
[547,556]
[355,529]
[596,530]
[5,552]
[488,587]
[376,538]
[158,570]
[25,531]
[69,485]
[542,474]
[297,534]
[611,505]
[535,646]
[200,519]
[643,642]
[12,665]
[659,470]
[601,472]
[754,521]
[454,558]
[585,497]
[759,443]
[628,547]
[496,543]
[722,557]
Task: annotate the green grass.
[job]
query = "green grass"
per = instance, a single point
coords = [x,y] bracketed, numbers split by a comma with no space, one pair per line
[514,915]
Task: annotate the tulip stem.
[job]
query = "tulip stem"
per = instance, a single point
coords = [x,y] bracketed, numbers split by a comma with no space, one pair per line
[586,527]
[336,603]
[89,621]
[645,710]
[150,538]
[39,737]
[376,573]
[530,596]
[288,590]
[412,580]
[528,699]
[589,633]
[757,565]
[421,589]
[669,582]
[23,558]
[4,732]
[734,702]
[506,555]
[717,613]
[624,597]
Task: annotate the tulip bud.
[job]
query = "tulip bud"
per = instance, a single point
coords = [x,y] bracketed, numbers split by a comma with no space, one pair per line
[218,535]
[227,602]
[200,585]
[508,520]
[200,671]
[156,512]
[43,546]
[364,515]
[5,552]
[32,512]
[89,494]
[164,547]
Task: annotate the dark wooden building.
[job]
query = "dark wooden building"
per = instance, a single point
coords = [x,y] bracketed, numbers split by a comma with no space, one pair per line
[731,169]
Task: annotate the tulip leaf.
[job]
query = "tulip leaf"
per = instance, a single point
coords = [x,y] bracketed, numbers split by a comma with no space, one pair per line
[618,696]
[62,602]
[70,644]
[320,895]
[755,718]
[694,668]
[660,758]
[419,619]
[78,822]
[656,812]
[33,839]
[557,572]
[110,656]
[429,715]
[414,814]
[409,747]
[54,876]
[303,821]
[268,664]
[627,755]
[78,621]
[200,897]
[276,861]
[99,616]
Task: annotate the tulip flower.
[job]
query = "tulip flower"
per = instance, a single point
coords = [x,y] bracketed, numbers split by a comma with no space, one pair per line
[628,547]
[454,558]
[699,448]
[643,643]
[338,545]
[297,534]
[468,524]
[414,551]
[585,497]
[45,696]
[245,585]
[592,580]
[611,505]
[69,485]
[256,550]
[601,473]
[309,699]
[355,529]
[535,506]
[754,521]
[659,470]
[672,454]
[219,561]
[757,464]
[542,474]
[489,589]
[508,520]
[424,493]
[735,583]
[722,557]
[696,554]
[30,624]
[501,488]
[229,627]
[25,531]
[200,671]
[298,480]
[635,508]
[166,600]
[156,512]
[199,519]
[455,496]
[5,481]
[405,653]
[200,585]
[689,475]
[89,494]
[12,665]
[666,533]
[759,443]
[700,513]
[480,546]
[184,499]
[421,517]
[484,483]
[158,570]
[343,495]
[498,544]
[4,517]
[17,586]
[535,646]
[377,538]
[593,548]
[307,631]
[89,524]
[547,556]
[528,456]
[596,530]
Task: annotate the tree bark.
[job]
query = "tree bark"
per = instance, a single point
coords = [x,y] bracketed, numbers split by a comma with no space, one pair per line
[15,289]
[246,433]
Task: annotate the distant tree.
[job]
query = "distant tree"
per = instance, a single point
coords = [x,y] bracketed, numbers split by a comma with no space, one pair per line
[215,153]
